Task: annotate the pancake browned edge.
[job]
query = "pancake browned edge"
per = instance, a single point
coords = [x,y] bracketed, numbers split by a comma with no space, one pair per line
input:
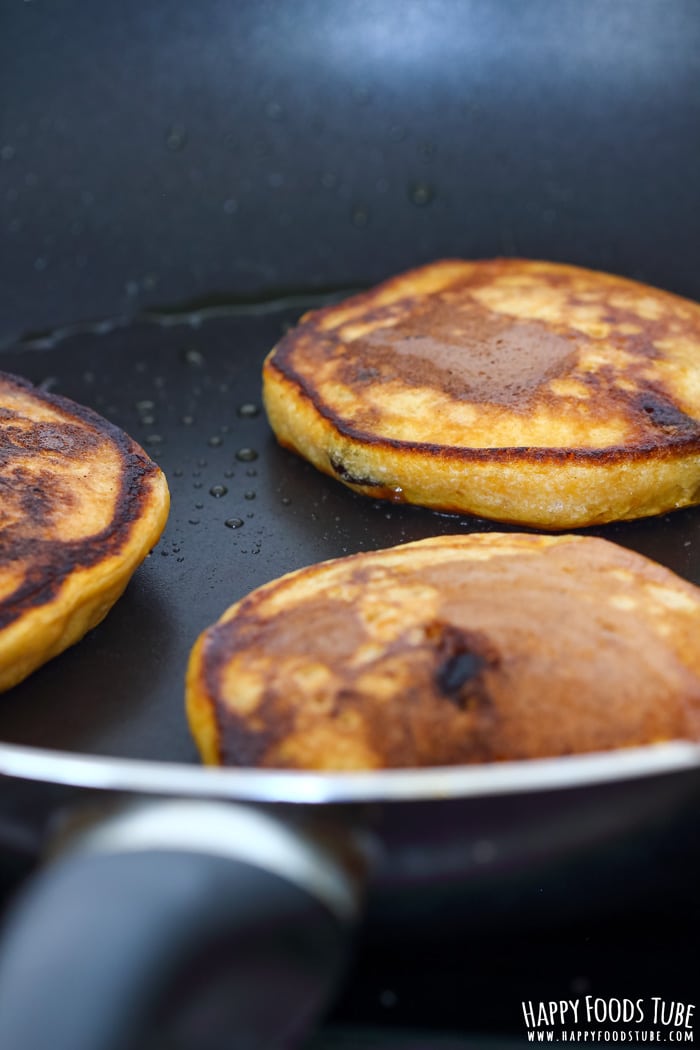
[528,392]
[455,649]
[81,505]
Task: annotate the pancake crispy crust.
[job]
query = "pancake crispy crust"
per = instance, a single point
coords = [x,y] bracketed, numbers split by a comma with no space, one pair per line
[451,650]
[80,507]
[528,392]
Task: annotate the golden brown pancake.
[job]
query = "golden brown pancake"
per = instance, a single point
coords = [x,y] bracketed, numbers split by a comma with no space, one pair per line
[527,392]
[81,505]
[455,649]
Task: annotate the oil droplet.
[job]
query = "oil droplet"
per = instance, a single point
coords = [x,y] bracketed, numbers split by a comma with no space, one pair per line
[251,472]
[359,217]
[176,137]
[145,406]
[215,440]
[274,111]
[217,491]
[233,523]
[154,439]
[229,474]
[194,521]
[148,421]
[248,410]
[420,193]
[201,462]
[285,501]
[246,455]
[194,357]
[199,506]
[249,494]
[178,472]
[187,420]
[197,485]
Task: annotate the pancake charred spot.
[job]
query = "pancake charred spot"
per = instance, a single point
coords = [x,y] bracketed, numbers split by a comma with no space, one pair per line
[366,374]
[664,415]
[49,445]
[60,439]
[248,731]
[40,496]
[246,741]
[30,502]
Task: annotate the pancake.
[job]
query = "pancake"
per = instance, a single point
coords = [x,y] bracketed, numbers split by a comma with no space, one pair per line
[455,649]
[81,505]
[527,392]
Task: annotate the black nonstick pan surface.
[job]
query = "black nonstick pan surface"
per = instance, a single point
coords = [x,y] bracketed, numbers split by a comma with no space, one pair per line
[243,512]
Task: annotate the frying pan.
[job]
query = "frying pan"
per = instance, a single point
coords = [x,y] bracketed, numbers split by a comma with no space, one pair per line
[180,185]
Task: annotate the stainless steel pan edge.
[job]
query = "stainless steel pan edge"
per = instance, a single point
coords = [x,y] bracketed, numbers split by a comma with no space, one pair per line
[248,785]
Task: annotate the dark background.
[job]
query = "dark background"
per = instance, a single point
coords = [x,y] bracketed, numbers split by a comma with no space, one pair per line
[156,156]
[154,153]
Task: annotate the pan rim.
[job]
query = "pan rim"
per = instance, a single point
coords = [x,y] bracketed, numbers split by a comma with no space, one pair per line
[178,779]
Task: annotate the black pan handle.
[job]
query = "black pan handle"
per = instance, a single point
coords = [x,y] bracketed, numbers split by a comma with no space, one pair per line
[186,924]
